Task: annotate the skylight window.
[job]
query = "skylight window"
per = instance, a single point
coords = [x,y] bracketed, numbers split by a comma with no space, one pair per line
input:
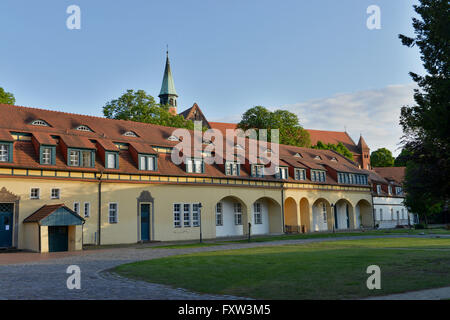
[84,128]
[173,138]
[130,134]
[40,123]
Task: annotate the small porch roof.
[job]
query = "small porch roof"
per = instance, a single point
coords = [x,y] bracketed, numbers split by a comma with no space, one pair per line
[55,215]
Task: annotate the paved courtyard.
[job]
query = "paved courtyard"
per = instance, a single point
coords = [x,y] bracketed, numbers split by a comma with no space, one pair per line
[43,276]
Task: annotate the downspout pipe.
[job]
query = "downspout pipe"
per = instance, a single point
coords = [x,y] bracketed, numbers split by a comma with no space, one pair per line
[282,208]
[99,209]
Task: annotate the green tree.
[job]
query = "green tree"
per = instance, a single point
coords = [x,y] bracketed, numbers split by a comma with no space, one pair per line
[402,158]
[382,158]
[426,125]
[6,97]
[339,148]
[291,133]
[140,107]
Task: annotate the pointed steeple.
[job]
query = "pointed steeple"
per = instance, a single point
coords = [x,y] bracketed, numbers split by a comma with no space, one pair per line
[168,94]
[362,144]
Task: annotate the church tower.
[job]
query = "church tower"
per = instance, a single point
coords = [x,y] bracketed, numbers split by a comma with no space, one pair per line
[365,153]
[168,95]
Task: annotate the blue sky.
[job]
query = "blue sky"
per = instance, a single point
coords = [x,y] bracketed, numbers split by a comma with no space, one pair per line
[316,58]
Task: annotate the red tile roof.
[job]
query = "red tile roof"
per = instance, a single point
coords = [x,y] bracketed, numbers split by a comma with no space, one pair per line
[333,137]
[396,174]
[44,138]
[107,132]
[5,135]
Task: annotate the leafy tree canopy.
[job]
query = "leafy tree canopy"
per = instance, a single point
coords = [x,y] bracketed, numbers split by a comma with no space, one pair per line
[140,107]
[6,97]
[382,158]
[426,125]
[291,133]
[402,158]
[340,148]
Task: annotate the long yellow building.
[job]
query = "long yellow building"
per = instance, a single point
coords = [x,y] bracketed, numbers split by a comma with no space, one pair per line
[70,180]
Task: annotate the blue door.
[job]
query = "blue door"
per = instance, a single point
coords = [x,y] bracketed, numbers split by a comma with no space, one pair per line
[6,224]
[145,222]
[58,239]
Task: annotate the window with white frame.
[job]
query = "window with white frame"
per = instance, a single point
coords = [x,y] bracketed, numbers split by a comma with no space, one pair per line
[231,169]
[378,189]
[186,215]
[324,212]
[111,161]
[113,213]
[74,158]
[300,174]
[76,207]
[282,173]
[257,213]
[35,193]
[237,213]
[318,175]
[40,123]
[56,193]
[219,214]
[148,163]
[84,128]
[398,190]
[195,215]
[177,215]
[46,155]
[4,152]
[87,209]
[258,170]
[390,190]
[194,165]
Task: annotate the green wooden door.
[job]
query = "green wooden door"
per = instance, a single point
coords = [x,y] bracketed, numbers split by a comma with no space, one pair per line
[6,224]
[58,239]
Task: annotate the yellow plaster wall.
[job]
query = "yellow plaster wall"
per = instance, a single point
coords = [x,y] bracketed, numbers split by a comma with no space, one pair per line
[30,237]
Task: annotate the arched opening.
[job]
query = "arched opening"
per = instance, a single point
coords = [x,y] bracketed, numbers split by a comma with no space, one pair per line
[305,215]
[291,219]
[266,216]
[322,220]
[364,214]
[231,217]
[344,217]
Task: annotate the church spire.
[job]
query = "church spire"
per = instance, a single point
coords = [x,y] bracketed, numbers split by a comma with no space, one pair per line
[168,94]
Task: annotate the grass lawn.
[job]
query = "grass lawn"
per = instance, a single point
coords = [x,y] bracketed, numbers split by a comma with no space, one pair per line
[327,270]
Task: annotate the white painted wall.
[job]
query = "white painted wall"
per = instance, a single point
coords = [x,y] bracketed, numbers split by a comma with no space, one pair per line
[264,227]
[229,228]
[387,204]
[358,217]
[319,224]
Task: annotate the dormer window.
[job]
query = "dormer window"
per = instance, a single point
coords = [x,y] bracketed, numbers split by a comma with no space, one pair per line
[318,175]
[298,155]
[390,190]
[47,155]
[300,174]
[173,138]
[147,162]
[81,158]
[232,169]
[334,159]
[6,152]
[282,173]
[130,134]
[258,170]
[195,166]
[398,191]
[317,158]
[84,128]
[378,189]
[238,146]
[41,123]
